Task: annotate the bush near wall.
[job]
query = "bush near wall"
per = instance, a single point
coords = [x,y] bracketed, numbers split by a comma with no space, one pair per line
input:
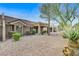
[16,36]
[32,32]
[43,32]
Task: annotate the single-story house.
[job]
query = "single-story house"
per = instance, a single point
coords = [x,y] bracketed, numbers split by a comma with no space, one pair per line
[9,24]
[13,24]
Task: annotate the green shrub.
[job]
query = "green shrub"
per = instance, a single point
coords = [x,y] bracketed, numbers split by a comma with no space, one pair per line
[10,34]
[43,32]
[16,36]
[72,35]
[33,32]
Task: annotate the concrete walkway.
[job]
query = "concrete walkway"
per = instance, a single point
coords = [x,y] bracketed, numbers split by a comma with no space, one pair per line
[35,45]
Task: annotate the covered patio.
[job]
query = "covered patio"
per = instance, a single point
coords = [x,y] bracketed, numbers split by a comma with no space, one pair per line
[17,26]
[40,27]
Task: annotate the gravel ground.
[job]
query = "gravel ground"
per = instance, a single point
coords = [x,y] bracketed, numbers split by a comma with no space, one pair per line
[35,45]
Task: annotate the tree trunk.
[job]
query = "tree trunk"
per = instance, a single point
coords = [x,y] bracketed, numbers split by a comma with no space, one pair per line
[49,26]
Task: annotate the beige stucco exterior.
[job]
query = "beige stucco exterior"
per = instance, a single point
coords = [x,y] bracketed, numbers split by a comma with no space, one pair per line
[9,24]
[22,28]
[8,29]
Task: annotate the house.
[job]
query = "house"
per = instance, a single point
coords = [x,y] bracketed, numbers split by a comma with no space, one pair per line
[14,24]
[9,24]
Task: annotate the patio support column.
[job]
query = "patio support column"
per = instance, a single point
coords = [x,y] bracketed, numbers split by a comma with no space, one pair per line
[4,28]
[22,30]
[39,29]
[15,28]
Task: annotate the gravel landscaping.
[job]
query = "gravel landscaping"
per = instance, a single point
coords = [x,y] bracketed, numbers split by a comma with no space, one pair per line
[34,45]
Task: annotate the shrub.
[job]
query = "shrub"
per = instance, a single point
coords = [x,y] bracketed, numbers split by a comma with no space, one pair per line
[10,34]
[43,32]
[16,36]
[33,32]
[72,35]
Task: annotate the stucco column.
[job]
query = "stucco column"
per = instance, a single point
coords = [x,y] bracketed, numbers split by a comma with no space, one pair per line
[14,28]
[4,28]
[22,30]
[39,29]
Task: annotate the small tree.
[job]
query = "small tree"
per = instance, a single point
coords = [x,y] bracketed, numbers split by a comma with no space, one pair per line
[66,15]
[46,13]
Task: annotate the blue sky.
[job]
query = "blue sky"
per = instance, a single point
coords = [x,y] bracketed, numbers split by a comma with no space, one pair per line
[29,11]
